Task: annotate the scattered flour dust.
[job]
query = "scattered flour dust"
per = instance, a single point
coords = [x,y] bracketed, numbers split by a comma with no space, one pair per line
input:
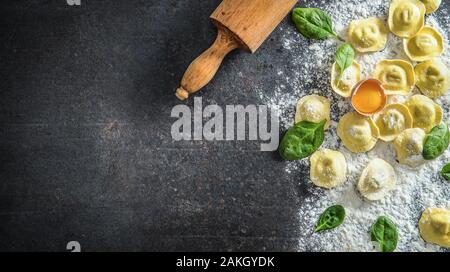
[416,188]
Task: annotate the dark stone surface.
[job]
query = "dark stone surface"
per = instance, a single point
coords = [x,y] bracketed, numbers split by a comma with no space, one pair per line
[85,144]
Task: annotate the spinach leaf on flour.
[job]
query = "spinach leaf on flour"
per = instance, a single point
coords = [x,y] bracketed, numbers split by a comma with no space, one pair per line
[301,140]
[313,23]
[436,142]
[384,233]
[331,218]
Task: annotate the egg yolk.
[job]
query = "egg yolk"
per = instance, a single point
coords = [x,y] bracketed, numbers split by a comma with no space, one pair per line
[368,98]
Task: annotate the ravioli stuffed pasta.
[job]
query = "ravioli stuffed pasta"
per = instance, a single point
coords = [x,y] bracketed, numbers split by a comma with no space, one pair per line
[406,17]
[358,133]
[394,119]
[397,76]
[427,44]
[343,83]
[425,112]
[432,78]
[434,226]
[409,146]
[377,179]
[313,108]
[368,35]
[328,168]
[431,5]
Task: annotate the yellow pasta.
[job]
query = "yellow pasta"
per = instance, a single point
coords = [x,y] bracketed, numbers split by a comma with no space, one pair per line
[328,168]
[358,133]
[431,5]
[368,35]
[397,76]
[406,17]
[434,226]
[343,85]
[409,146]
[432,78]
[427,44]
[313,108]
[392,121]
[376,180]
[425,112]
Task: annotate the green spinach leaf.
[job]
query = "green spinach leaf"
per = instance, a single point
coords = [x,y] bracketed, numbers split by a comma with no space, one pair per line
[384,233]
[344,57]
[331,218]
[445,172]
[436,142]
[301,140]
[313,23]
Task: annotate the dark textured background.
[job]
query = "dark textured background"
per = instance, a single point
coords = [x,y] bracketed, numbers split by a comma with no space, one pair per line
[85,146]
[86,151]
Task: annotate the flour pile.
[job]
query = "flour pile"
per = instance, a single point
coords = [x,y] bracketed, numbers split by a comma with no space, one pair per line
[416,189]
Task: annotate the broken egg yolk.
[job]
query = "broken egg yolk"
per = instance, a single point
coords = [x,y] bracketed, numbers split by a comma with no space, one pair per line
[369,97]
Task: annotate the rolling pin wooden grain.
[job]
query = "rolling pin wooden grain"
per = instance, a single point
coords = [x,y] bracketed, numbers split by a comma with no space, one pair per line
[241,24]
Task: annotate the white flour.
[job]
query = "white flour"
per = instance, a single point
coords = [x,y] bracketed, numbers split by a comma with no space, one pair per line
[416,189]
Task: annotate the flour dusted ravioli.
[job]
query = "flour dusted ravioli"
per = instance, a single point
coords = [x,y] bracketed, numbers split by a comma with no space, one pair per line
[432,78]
[397,76]
[427,44]
[406,17]
[358,133]
[409,146]
[343,85]
[368,35]
[376,180]
[392,121]
[434,226]
[313,108]
[431,5]
[425,112]
[328,168]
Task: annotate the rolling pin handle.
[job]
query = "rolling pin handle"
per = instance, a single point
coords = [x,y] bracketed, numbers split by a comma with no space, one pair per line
[182,94]
[202,70]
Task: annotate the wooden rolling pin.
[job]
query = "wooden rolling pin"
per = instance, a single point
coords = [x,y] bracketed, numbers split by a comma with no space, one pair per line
[241,24]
